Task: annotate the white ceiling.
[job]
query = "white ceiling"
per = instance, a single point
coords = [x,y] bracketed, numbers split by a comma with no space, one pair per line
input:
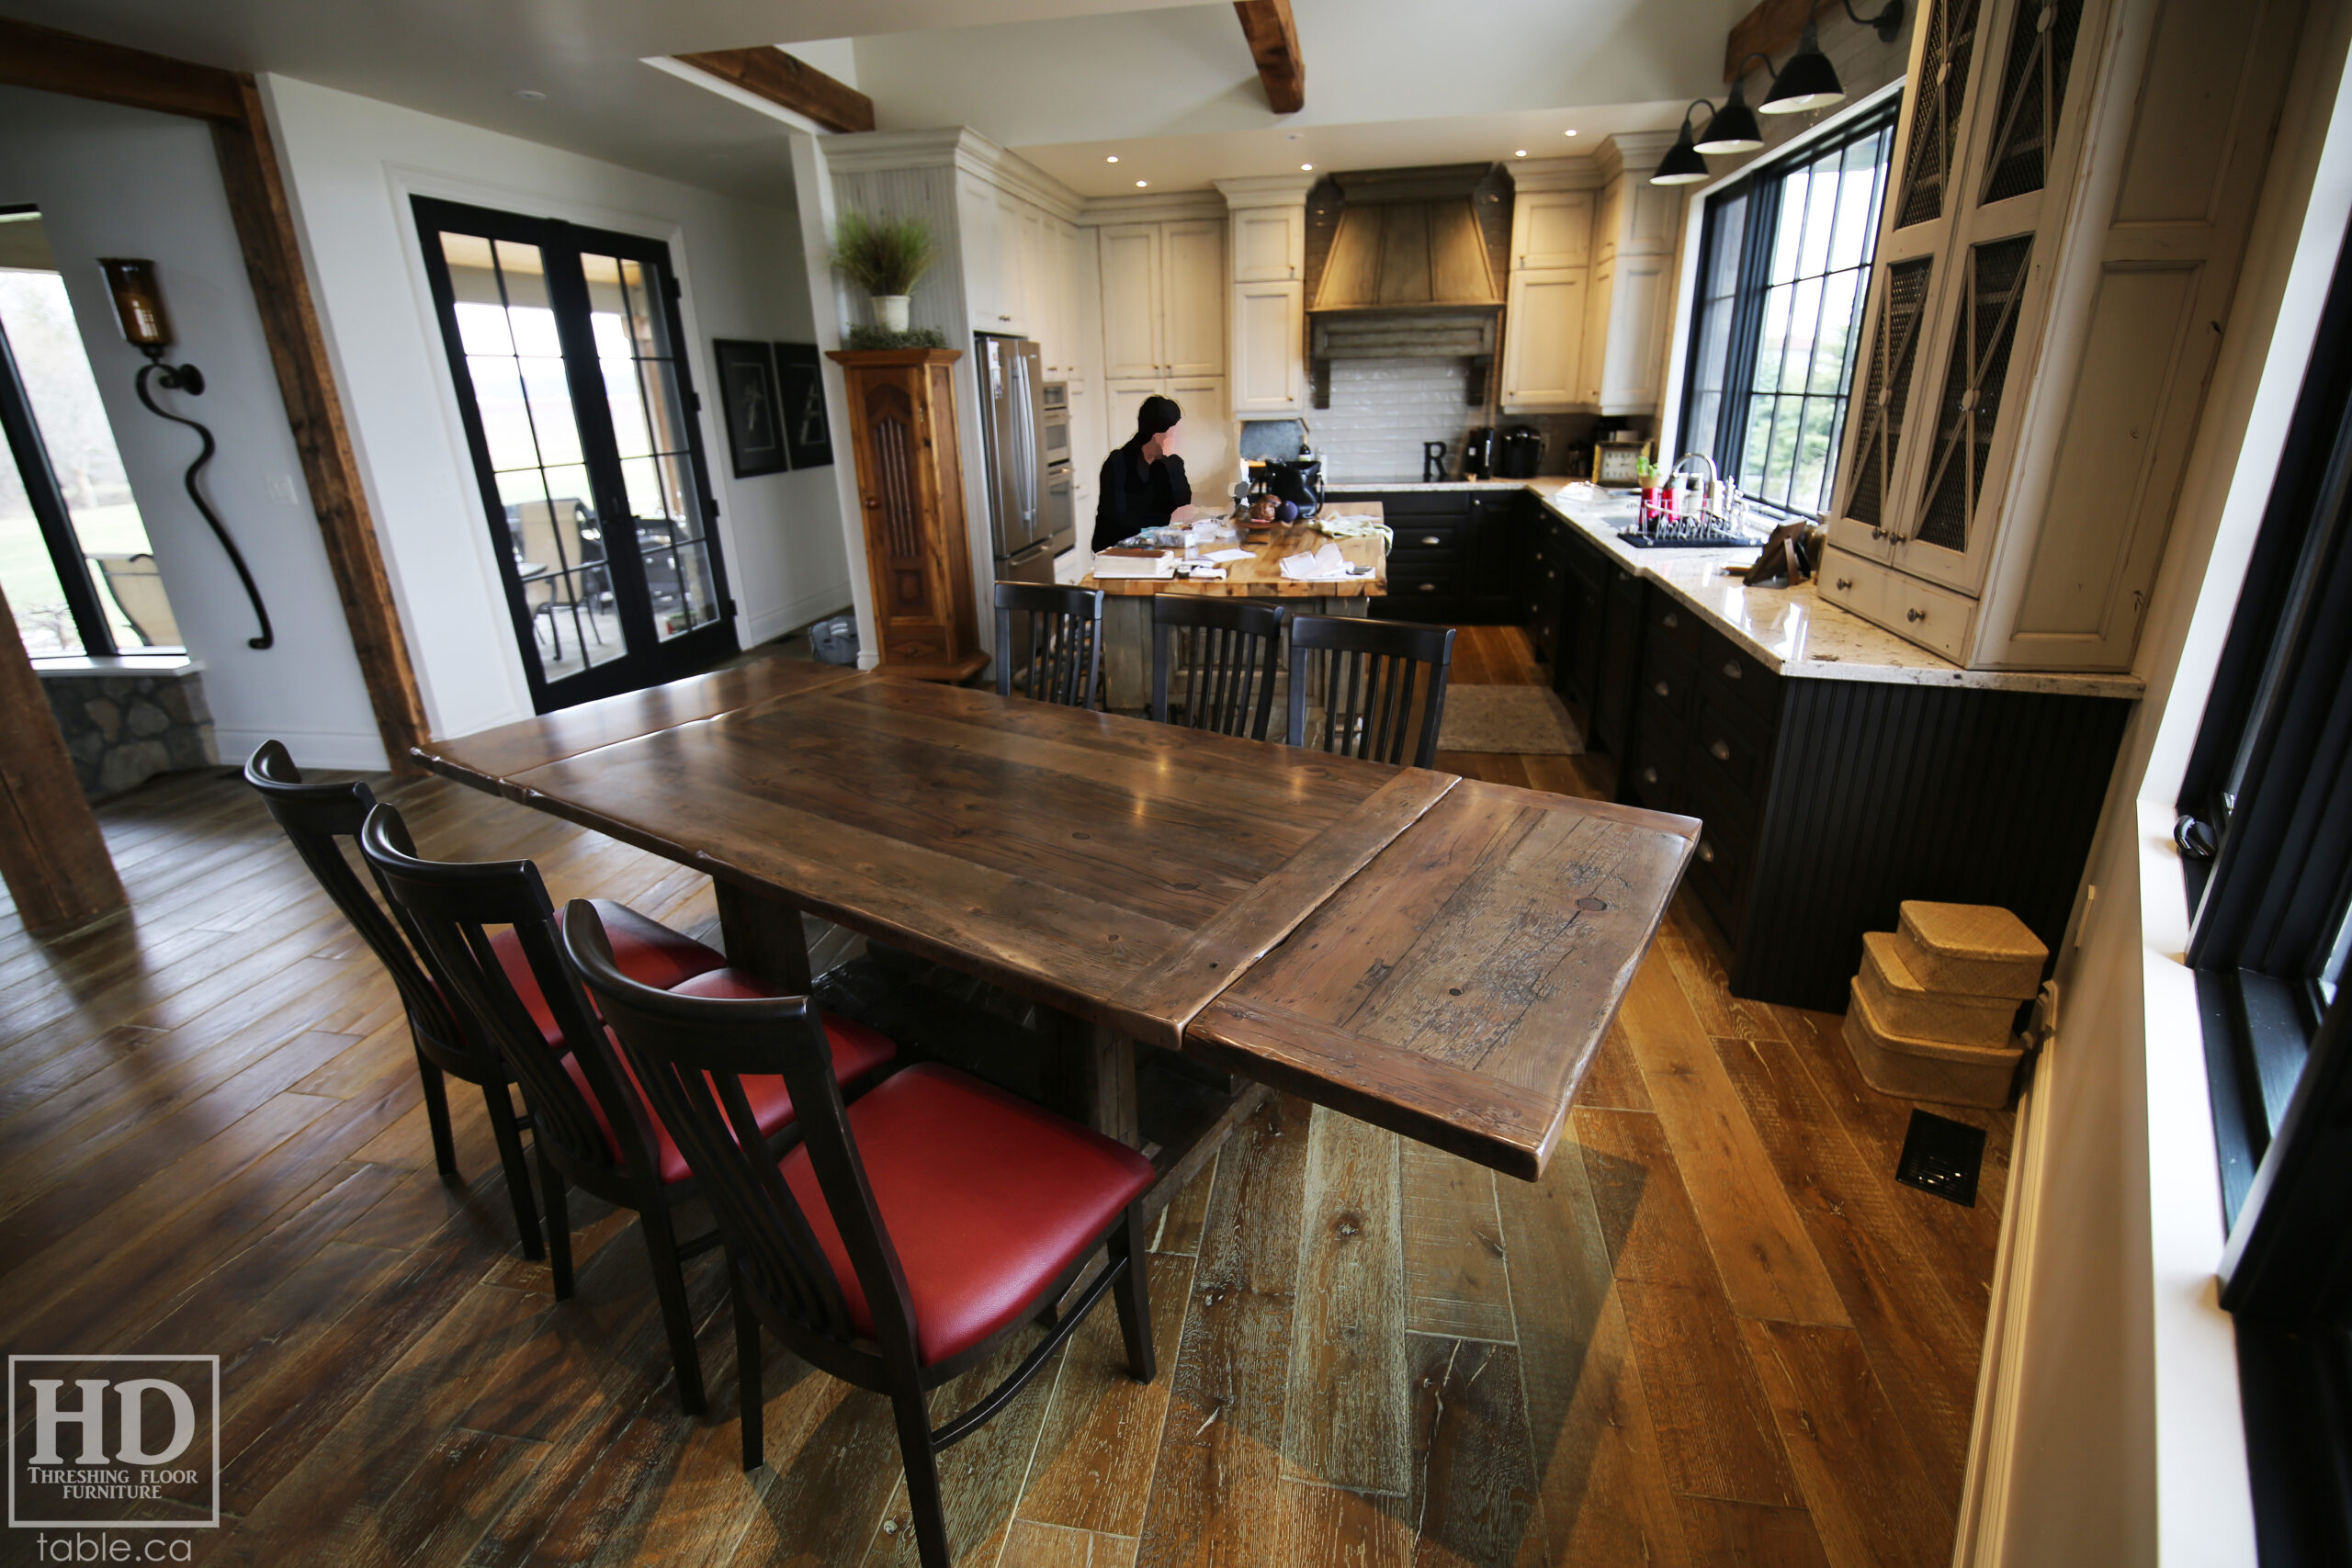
[1171,88]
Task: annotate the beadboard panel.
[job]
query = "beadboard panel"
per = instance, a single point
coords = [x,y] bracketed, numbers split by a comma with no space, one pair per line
[1884,792]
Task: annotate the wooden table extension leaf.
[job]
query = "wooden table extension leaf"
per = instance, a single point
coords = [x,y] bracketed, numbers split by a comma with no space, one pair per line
[1440,976]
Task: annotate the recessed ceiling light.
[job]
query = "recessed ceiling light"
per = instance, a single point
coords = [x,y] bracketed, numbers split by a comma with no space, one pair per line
[1141,184]
[1307,165]
[1567,133]
[530,95]
[1112,159]
[1521,153]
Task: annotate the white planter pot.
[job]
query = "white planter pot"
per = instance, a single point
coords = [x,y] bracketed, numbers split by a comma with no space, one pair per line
[890,313]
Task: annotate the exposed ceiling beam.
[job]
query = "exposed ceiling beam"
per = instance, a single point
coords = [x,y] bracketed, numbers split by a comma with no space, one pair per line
[1774,27]
[797,85]
[33,56]
[1273,44]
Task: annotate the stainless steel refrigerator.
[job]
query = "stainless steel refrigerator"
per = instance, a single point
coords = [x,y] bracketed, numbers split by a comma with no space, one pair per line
[1029,491]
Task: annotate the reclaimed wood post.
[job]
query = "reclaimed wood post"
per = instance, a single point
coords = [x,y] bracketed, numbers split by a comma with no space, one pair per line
[51,852]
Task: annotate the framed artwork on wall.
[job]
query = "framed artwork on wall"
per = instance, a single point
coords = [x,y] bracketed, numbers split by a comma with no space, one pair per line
[754,412]
[801,391]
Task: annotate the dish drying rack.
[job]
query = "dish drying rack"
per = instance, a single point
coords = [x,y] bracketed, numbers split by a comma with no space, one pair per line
[1703,515]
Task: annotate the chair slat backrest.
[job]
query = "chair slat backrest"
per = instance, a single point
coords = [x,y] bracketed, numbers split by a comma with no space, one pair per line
[318,818]
[1049,643]
[1229,650]
[453,907]
[1377,679]
[690,1054]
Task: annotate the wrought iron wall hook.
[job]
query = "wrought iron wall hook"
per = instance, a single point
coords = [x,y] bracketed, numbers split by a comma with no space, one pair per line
[189,380]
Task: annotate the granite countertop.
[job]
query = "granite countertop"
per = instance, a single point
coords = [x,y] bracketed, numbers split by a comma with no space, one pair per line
[1790,630]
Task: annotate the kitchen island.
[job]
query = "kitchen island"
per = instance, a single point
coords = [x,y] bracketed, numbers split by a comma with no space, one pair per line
[1126,609]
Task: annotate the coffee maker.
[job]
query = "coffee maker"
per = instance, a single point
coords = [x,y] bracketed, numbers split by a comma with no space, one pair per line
[1478,453]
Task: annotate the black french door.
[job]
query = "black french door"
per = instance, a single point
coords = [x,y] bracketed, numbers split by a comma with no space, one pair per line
[565,345]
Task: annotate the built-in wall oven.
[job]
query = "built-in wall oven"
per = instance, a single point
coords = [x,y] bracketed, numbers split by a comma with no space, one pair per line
[1061,498]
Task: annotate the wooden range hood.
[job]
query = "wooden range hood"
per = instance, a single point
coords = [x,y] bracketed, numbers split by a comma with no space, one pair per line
[1408,275]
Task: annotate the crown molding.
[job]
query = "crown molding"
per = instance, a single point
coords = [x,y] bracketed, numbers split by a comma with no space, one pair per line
[1578,171]
[1163,207]
[1268,190]
[1636,150]
[957,147]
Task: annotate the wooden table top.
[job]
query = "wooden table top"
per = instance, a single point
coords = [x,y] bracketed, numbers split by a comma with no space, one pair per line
[1119,870]
[1435,955]
[1260,577]
[1457,990]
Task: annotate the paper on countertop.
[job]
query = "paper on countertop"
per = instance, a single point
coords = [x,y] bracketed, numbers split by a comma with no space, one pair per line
[1228,555]
[1323,566]
[1193,571]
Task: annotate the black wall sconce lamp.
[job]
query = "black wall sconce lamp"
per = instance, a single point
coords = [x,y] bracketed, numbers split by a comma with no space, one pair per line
[139,308]
[1808,81]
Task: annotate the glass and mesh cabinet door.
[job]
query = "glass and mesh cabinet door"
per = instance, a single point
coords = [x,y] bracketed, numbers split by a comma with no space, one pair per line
[566,351]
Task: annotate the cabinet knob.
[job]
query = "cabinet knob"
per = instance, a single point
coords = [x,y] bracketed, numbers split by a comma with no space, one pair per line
[1649,775]
[1661,688]
[1844,583]
[1549,572]
[1669,620]
[1429,587]
[1431,540]
[1004,318]
[1915,615]
[1719,751]
[1732,672]
[1706,851]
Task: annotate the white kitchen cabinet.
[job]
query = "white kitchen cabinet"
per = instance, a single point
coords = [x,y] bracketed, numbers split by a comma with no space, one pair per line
[1206,441]
[1192,281]
[2037,344]
[1269,332]
[1131,309]
[1164,299]
[977,215]
[1551,228]
[1543,358]
[1269,243]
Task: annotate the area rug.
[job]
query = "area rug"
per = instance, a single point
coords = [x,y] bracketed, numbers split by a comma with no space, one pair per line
[1525,720]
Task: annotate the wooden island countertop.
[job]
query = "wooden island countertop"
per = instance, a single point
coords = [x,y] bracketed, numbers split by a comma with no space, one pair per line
[1260,577]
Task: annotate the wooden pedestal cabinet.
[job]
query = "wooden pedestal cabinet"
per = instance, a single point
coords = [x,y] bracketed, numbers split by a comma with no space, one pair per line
[910,491]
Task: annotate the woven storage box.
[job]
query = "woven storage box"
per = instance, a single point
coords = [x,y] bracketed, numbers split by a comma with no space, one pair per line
[1910,1010]
[1926,1069]
[1974,950]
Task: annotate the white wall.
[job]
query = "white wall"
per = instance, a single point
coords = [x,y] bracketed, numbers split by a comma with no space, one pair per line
[2110,1430]
[122,182]
[351,164]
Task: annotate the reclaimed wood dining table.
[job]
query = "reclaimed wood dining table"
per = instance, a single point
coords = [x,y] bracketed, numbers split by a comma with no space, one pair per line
[1435,955]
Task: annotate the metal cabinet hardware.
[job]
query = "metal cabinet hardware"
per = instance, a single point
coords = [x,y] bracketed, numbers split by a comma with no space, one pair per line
[1915,615]
[1649,775]
[1431,540]
[1844,583]
[1719,751]
[1661,688]
[1429,587]
[1731,669]
[1669,620]
[1706,851]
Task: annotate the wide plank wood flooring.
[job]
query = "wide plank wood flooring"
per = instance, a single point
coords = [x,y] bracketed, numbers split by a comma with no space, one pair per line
[1718,1332]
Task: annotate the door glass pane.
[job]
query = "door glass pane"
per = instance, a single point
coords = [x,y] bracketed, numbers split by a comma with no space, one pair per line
[649,430]
[514,357]
[109,535]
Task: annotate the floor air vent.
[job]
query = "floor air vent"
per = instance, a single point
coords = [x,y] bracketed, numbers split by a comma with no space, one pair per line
[1941,1157]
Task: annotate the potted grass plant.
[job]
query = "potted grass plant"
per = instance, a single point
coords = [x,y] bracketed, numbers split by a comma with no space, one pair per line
[884,256]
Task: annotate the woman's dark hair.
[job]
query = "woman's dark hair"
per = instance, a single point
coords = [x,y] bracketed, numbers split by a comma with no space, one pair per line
[1157,414]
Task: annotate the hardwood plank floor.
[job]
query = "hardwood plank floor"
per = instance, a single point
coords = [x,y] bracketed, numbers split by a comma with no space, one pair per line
[1718,1332]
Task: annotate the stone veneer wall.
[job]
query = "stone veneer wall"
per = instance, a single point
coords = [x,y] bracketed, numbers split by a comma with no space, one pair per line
[1382,410]
[123,730]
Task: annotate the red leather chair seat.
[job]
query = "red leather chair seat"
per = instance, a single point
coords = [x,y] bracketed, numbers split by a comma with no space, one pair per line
[987,1198]
[857,1052]
[647,951]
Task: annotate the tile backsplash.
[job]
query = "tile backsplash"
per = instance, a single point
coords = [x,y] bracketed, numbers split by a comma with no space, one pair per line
[1383,410]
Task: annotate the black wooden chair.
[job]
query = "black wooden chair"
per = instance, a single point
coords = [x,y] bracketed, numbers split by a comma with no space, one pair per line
[318,817]
[590,1126]
[1059,635]
[1378,677]
[908,1236]
[1231,653]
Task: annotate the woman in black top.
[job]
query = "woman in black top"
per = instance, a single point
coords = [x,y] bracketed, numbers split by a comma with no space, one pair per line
[1142,481]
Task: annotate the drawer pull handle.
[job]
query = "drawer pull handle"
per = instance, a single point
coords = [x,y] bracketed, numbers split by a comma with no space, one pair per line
[1429,587]
[1844,583]
[1649,775]
[1915,615]
[1706,851]
[1671,620]
[1549,574]
[1719,751]
[1431,540]
[1661,688]
[1732,670]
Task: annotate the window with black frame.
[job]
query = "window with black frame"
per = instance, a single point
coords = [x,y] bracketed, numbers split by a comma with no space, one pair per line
[2266,839]
[1784,268]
